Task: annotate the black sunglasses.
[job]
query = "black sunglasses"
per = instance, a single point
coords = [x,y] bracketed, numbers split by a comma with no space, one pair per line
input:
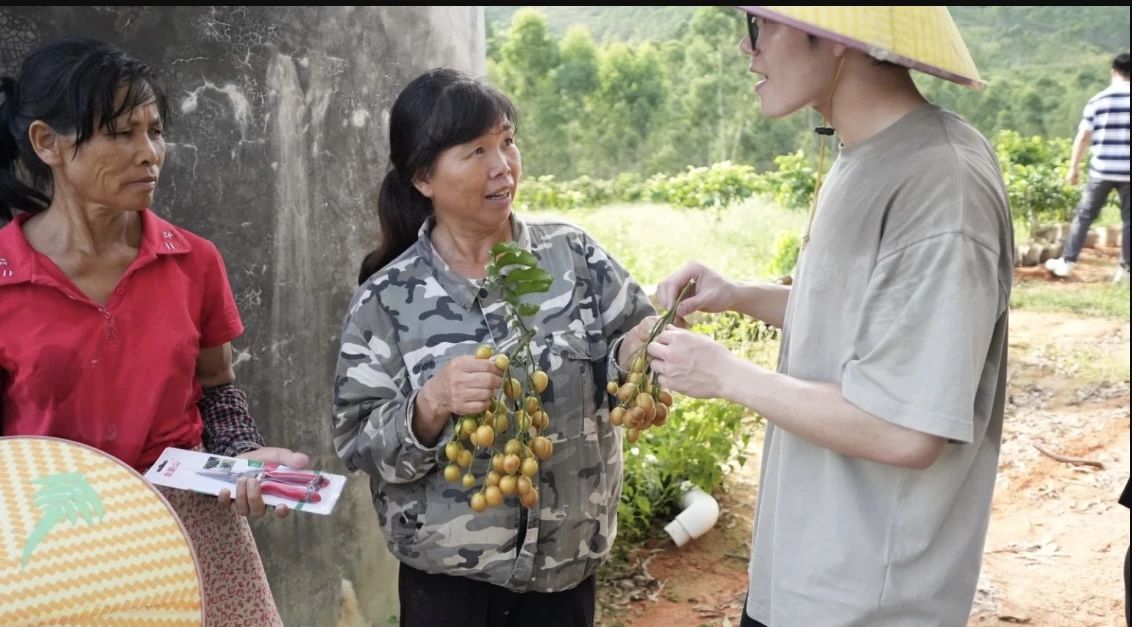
[752,29]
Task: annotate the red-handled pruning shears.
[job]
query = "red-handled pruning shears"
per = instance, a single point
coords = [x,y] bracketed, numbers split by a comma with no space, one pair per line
[289,484]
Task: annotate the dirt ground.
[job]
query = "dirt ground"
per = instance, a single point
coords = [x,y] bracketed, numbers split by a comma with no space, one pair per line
[1057,539]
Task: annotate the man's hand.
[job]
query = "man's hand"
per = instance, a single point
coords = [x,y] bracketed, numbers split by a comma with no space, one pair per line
[690,363]
[1072,176]
[249,500]
[712,293]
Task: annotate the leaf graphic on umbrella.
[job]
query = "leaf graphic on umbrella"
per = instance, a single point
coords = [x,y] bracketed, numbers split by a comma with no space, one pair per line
[64,496]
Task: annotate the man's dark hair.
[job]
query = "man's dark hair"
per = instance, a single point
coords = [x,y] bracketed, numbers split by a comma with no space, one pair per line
[1120,64]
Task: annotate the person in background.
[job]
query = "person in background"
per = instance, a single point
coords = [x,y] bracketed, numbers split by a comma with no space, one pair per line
[1126,501]
[1104,128]
[407,366]
[884,417]
[118,324]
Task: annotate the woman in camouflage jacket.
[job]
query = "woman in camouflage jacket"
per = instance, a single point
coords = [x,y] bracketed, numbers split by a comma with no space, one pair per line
[406,367]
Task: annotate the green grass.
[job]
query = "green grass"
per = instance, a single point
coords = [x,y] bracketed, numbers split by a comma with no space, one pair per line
[652,240]
[1103,300]
[1088,365]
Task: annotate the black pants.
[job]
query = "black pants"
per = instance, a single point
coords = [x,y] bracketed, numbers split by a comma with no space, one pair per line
[747,621]
[446,601]
[1128,586]
[1093,199]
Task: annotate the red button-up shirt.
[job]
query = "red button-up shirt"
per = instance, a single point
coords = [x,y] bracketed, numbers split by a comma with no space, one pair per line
[119,377]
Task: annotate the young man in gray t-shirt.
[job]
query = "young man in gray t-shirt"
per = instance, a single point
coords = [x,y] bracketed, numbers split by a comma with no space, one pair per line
[885,413]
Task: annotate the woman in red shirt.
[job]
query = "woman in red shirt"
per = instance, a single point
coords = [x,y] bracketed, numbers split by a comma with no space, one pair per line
[117,324]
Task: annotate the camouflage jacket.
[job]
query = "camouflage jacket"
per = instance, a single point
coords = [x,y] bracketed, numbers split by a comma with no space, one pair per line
[412,316]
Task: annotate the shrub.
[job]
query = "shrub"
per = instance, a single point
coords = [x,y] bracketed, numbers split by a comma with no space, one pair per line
[717,186]
[702,440]
[785,256]
[792,184]
[1034,171]
[692,448]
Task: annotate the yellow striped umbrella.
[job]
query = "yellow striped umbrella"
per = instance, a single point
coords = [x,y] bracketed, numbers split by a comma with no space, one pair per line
[85,539]
[920,37]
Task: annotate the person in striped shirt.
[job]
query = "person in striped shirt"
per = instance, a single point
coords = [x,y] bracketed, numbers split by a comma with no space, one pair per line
[1104,123]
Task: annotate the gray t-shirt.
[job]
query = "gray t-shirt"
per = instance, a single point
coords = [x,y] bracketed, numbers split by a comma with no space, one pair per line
[901,297]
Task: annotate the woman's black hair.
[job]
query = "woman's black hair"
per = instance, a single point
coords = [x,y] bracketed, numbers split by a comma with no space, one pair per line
[437,110]
[74,86]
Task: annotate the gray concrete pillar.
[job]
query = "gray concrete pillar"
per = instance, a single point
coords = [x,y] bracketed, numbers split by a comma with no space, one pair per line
[278,146]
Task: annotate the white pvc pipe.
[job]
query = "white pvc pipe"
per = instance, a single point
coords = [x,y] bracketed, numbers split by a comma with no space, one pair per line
[701,512]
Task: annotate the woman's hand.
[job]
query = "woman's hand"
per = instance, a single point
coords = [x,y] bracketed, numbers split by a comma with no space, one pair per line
[249,500]
[633,340]
[464,385]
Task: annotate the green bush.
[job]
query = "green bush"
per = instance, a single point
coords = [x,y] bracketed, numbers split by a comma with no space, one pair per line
[1033,168]
[716,186]
[744,335]
[628,187]
[692,448]
[785,256]
[543,192]
[792,184]
[590,192]
[1034,171]
[702,440]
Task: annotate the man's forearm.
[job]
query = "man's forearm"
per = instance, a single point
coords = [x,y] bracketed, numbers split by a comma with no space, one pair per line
[819,413]
[1080,144]
[763,301]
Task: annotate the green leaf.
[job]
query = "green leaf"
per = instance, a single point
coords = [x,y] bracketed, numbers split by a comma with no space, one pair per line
[509,254]
[502,247]
[42,528]
[90,498]
[527,274]
[531,287]
[527,281]
[60,497]
[70,509]
[528,309]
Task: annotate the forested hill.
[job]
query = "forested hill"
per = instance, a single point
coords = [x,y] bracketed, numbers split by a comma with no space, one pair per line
[674,85]
[1000,37]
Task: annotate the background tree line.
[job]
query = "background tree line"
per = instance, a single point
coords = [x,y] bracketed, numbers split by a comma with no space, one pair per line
[648,90]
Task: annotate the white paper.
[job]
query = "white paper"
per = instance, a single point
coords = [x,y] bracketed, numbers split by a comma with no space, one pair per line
[177,468]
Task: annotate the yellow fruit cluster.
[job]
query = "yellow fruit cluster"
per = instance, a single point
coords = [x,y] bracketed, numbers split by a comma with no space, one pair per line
[517,420]
[641,401]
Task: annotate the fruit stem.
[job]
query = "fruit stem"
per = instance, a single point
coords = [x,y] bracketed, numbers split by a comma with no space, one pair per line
[664,320]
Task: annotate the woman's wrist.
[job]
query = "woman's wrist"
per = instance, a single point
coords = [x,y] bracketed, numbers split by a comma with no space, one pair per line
[429,415]
[621,359]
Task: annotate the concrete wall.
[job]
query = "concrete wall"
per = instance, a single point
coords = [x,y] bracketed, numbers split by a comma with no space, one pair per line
[278,146]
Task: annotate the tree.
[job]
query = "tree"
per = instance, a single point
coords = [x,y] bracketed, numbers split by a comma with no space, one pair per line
[527,61]
[630,94]
[575,81]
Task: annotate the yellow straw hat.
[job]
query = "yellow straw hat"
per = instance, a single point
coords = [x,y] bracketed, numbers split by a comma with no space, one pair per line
[922,38]
[84,539]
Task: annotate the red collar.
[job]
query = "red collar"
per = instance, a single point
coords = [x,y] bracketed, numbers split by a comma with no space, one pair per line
[19,264]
